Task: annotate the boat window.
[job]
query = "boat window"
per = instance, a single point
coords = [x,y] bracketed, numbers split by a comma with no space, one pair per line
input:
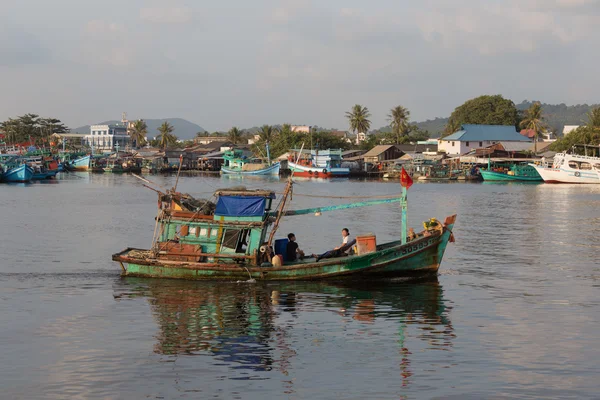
[230,238]
[193,230]
[243,241]
[597,166]
[573,164]
[585,165]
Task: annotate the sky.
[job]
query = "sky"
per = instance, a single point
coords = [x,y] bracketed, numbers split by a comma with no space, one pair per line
[247,63]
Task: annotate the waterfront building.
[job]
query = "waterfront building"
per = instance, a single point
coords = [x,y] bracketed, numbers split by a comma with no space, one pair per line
[471,137]
[109,137]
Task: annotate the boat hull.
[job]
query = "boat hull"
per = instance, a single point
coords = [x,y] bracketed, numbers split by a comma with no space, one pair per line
[272,170]
[22,173]
[417,258]
[567,175]
[497,176]
[81,164]
[44,175]
[315,172]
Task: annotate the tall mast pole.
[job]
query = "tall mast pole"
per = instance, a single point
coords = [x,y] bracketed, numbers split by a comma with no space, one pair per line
[404,206]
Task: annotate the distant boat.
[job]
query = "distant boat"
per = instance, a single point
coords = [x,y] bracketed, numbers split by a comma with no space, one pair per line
[321,164]
[516,172]
[572,168]
[19,173]
[80,163]
[237,164]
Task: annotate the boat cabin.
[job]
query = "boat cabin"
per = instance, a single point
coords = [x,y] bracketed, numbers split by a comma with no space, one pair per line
[232,228]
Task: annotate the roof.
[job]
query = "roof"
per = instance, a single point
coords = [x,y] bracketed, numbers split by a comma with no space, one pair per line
[530,133]
[541,146]
[345,153]
[417,148]
[516,146]
[377,150]
[487,133]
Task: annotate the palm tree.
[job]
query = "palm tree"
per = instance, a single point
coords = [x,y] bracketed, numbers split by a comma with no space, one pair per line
[359,119]
[534,120]
[166,137]
[138,132]
[234,135]
[398,118]
[594,119]
[267,133]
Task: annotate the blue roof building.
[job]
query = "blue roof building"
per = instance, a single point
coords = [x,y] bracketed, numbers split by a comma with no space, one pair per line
[478,136]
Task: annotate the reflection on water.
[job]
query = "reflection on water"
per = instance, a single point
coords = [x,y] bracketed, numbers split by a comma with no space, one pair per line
[259,326]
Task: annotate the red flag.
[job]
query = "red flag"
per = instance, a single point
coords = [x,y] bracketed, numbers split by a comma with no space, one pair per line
[405,179]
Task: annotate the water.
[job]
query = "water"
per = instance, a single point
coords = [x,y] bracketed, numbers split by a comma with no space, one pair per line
[514,313]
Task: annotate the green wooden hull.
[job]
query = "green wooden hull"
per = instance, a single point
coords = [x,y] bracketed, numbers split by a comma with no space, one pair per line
[498,176]
[417,258]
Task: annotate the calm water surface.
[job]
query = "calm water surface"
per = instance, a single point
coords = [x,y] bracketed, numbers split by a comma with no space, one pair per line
[515,312]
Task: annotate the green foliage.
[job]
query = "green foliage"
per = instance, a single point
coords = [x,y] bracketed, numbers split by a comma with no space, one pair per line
[486,110]
[358,118]
[534,120]
[138,132]
[370,142]
[166,137]
[235,135]
[558,115]
[586,134]
[31,126]
[412,134]
[398,118]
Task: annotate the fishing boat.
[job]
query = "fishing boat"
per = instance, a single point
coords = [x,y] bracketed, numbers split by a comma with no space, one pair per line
[572,167]
[515,172]
[320,164]
[17,173]
[237,164]
[80,163]
[233,238]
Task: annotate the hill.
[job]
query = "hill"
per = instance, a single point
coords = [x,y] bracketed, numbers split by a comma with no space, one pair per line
[559,115]
[184,129]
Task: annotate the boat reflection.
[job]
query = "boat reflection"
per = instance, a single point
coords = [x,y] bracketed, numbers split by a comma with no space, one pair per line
[259,326]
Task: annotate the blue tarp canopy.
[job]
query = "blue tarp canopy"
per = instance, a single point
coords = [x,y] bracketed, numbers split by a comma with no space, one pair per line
[240,206]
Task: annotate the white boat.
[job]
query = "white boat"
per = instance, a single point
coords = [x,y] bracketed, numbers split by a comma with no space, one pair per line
[572,168]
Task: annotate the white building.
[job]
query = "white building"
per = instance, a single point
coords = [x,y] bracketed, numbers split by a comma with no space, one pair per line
[361,137]
[569,128]
[472,137]
[301,128]
[107,138]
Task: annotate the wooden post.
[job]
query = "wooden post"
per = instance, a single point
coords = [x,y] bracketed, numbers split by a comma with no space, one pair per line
[403,205]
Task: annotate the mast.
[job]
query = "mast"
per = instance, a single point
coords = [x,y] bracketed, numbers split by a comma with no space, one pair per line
[288,188]
[403,206]
[268,153]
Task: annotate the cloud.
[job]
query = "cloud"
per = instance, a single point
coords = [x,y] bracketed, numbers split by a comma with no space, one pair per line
[166,15]
[19,47]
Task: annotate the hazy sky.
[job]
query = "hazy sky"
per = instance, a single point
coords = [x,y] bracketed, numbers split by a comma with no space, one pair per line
[247,63]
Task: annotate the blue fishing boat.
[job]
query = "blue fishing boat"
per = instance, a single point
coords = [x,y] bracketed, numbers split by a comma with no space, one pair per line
[19,173]
[238,164]
[81,163]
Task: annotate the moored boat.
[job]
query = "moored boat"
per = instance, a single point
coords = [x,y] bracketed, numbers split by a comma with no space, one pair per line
[236,163]
[572,167]
[80,164]
[233,239]
[516,172]
[17,173]
[320,164]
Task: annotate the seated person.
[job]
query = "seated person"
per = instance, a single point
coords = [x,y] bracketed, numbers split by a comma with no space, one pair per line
[411,234]
[292,252]
[345,240]
[337,252]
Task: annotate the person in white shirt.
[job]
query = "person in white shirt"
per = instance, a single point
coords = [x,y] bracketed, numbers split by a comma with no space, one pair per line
[345,240]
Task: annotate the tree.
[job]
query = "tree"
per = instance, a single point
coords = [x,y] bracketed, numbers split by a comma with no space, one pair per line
[234,135]
[138,132]
[485,110]
[534,120]
[31,127]
[166,137]
[398,118]
[586,134]
[358,117]
[267,133]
